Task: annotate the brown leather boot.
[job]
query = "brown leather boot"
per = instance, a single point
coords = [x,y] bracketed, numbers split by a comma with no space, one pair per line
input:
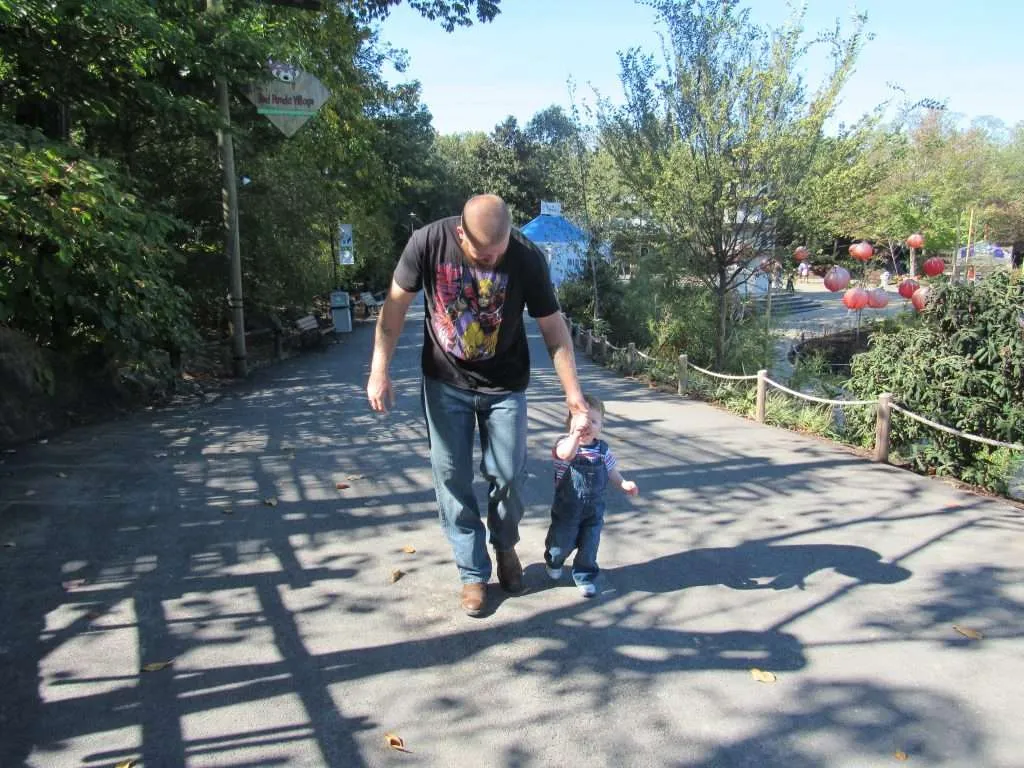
[474,598]
[510,571]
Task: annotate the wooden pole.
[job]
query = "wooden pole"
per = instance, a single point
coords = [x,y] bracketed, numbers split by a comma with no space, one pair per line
[883,421]
[226,147]
[683,374]
[762,393]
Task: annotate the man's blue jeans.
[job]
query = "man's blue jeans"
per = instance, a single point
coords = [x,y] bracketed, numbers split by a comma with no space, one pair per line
[452,415]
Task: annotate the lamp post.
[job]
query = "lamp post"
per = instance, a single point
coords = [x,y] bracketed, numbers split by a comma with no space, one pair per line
[412,222]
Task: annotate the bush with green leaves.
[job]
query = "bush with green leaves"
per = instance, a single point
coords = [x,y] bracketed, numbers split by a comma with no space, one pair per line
[86,264]
[962,366]
[622,316]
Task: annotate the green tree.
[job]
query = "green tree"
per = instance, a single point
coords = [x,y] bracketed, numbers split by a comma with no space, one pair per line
[126,86]
[718,147]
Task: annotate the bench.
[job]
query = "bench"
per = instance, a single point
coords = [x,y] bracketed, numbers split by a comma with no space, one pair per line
[309,329]
[370,303]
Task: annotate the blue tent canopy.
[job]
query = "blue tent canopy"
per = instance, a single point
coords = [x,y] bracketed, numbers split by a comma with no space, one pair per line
[553,229]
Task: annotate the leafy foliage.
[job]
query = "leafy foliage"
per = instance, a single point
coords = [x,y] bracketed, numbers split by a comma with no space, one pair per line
[961,366]
[87,263]
[623,314]
[114,227]
[716,150]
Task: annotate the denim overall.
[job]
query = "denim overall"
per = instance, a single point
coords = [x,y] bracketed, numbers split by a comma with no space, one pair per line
[577,516]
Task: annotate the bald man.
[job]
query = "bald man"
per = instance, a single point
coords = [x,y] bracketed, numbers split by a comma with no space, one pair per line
[477,274]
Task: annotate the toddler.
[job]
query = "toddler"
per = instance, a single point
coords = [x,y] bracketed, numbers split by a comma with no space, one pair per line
[584,466]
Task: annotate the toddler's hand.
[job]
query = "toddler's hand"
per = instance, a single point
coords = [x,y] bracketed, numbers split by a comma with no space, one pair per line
[629,488]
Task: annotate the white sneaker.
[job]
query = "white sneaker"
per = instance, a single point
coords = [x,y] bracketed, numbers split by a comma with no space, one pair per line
[589,589]
[553,573]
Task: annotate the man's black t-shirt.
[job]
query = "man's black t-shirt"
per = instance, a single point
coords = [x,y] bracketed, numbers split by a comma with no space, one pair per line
[474,337]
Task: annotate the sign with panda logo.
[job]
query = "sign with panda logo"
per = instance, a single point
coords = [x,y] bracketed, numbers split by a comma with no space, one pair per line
[289,98]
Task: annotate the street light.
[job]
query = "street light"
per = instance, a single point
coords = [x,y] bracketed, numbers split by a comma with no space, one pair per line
[412,222]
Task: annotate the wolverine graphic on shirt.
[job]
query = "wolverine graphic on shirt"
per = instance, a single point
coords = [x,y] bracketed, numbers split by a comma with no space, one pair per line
[468,309]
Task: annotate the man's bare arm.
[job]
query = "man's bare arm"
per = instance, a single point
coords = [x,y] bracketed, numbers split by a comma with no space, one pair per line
[559,344]
[389,327]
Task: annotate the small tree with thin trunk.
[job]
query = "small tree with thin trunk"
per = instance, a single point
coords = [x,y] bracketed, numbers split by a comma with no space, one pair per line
[717,144]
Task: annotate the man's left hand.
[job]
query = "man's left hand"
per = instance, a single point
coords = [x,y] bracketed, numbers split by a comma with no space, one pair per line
[580,412]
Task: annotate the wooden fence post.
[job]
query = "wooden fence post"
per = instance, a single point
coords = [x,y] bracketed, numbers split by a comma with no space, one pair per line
[632,359]
[883,420]
[589,344]
[762,393]
[684,374]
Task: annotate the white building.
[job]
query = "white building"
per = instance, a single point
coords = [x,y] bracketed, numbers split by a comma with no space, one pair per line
[563,242]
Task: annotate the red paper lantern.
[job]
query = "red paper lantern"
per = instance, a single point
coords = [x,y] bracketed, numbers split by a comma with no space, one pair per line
[877,298]
[801,253]
[907,288]
[855,298]
[862,251]
[934,266]
[836,279]
[915,240]
[920,298]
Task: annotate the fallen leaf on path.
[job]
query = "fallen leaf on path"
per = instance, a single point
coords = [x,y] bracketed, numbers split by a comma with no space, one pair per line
[395,575]
[43,442]
[73,583]
[763,676]
[160,455]
[156,666]
[9,545]
[126,764]
[395,742]
[902,756]
[973,634]
[93,615]
[30,493]
[270,501]
[409,549]
[356,477]
[342,486]
[62,475]
[227,511]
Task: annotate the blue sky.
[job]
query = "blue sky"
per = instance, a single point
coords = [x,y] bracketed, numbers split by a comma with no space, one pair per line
[962,52]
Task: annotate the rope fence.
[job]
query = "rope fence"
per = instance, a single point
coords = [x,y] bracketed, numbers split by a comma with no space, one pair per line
[726,376]
[957,432]
[884,404]
[814,399]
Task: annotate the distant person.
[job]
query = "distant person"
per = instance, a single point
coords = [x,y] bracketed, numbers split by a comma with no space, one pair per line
[805,271]
[584,468]
[477,275]
[884,278]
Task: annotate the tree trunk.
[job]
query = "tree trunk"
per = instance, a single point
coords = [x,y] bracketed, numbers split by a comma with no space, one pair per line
[723,319]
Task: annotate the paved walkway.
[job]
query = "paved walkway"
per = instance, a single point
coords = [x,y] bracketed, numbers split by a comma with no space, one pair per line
[214,536]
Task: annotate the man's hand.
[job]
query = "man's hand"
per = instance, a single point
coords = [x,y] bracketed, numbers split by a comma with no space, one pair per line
[580,412]
[379,391]
[629,488]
